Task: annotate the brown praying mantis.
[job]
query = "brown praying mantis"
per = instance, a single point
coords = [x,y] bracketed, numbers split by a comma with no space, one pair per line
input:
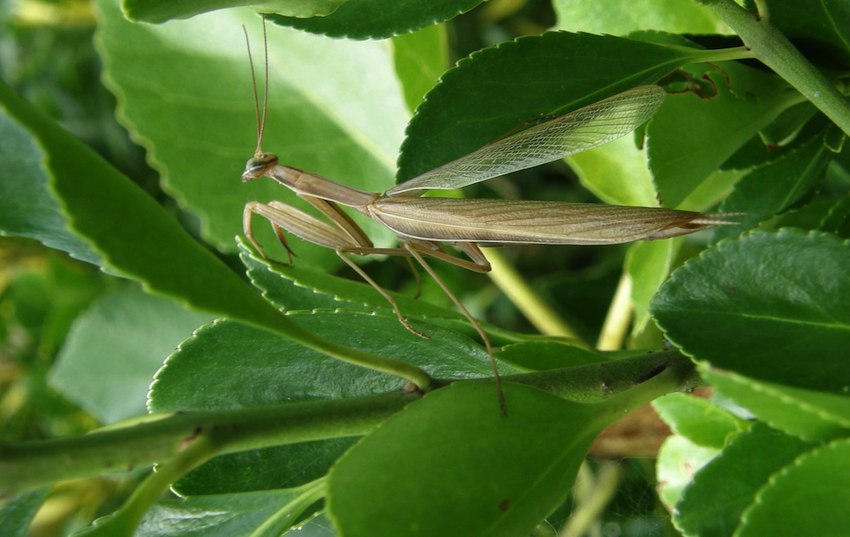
[423,224]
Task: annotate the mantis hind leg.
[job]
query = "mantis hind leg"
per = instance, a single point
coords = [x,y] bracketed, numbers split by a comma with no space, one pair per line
[341,252]
[417,253]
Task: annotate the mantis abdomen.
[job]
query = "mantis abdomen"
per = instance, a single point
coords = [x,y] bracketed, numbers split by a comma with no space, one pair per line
[532,222]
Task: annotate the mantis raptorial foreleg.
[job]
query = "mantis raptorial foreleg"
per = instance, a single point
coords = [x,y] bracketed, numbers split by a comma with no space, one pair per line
[294,221]
[341,219]
[342,239]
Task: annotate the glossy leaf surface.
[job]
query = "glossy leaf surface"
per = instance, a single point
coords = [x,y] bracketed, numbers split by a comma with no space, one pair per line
[697,419]
[712,504]
[452,464]
[163,10]
[768,305]
[123,339]
[811,493]
[811,415]
[376,19]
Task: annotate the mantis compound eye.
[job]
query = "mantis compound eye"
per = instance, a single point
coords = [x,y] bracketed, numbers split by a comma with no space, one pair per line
[258,165]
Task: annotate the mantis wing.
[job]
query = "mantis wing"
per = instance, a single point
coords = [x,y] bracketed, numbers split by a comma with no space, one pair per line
[554,139]
[493,221]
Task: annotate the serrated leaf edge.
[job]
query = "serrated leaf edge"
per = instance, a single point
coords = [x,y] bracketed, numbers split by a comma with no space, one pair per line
[675,278]
[410,28]
[766,388]
[798,462]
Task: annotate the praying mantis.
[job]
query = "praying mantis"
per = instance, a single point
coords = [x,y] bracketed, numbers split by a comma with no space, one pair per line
[424,224]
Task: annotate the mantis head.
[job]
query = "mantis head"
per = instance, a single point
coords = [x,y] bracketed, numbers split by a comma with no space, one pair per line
[258,166]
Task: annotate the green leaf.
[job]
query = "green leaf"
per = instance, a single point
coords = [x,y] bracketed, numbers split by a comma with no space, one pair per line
[321,113]
[616,173]
[837,221]
[543,355]
[124,337]
[40,302]
[678,460]
[498,89]
[376,19]
[163,10]
[775,186]
[717,127]
[648,263]
[294,288]
[768,305]
[697,419]
[451,464]
[420,58]
[792,125]
[716,187]
[318,526]
[132,234]
[258,514]
[609,17]
[783,135]
[203,375]
[17,513]
[28,205]
[821,29]
[811,415]
[712,504]
[810,216]
[809,495]
[264,469]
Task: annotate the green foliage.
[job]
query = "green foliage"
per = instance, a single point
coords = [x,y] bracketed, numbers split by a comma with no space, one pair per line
[28,208]
[746,101]
[814,475]
[265,513]
[785,290]
[17,513]
[606,16]
[713,503]
[698,420]
[494,495]
[123,336]
[472,104]
[818,26]
[374,19]
[164,10]
[289,392]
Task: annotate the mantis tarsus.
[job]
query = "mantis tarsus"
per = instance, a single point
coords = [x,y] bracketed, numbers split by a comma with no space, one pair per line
[423,224]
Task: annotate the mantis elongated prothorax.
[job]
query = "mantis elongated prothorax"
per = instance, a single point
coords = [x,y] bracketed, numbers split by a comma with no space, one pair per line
[423,225]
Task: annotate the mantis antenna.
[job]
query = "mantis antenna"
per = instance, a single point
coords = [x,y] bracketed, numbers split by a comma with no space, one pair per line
[261,121]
